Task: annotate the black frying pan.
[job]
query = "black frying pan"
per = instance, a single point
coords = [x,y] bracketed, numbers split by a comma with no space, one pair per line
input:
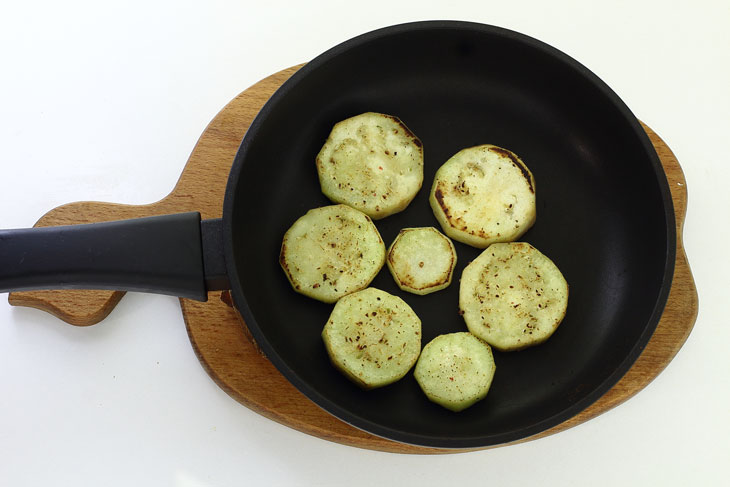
[605,217]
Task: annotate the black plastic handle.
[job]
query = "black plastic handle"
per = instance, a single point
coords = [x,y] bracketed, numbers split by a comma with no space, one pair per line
[160,254]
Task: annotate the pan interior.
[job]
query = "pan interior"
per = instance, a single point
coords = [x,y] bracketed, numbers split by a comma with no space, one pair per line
[602,217]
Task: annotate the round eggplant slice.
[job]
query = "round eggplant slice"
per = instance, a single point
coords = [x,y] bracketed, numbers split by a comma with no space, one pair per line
[482,195]
[331,252]
[373,337]
[421,260]
[455,370]
[373,163]
[512,296]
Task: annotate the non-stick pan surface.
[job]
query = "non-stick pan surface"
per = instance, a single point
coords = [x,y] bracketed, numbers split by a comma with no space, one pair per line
[604,216]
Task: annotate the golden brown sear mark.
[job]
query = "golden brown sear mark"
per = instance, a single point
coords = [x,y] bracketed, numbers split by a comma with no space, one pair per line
[516,162]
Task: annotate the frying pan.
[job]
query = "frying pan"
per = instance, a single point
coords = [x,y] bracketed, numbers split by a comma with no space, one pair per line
[605,217]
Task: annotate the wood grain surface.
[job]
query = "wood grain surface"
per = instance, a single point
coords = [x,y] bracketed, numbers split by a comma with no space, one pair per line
[221,340]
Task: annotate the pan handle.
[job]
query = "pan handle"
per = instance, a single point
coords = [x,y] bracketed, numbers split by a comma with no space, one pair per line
[159,254]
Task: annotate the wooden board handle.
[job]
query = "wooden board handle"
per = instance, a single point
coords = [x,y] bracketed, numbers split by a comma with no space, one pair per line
[200,188]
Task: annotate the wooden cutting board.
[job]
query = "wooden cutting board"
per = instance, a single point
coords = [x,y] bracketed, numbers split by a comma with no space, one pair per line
[222,341]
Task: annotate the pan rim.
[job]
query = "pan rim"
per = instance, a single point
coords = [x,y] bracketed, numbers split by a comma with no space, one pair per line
[480,441]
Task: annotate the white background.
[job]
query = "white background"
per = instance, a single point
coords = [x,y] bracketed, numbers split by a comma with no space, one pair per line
[105,100]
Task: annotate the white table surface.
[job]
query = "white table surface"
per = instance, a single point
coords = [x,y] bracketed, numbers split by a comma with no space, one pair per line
[105,100]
